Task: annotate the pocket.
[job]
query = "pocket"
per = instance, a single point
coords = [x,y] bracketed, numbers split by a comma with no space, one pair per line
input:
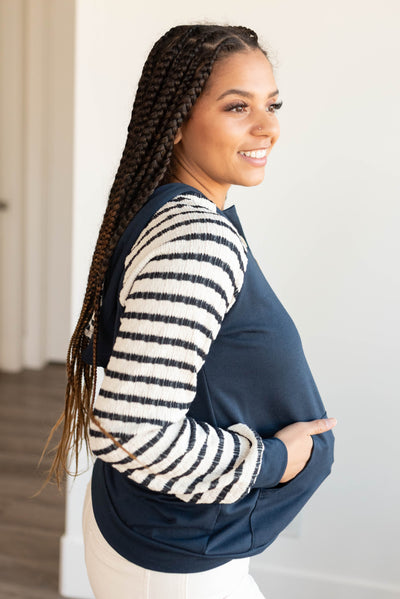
[276,507]
[169,520]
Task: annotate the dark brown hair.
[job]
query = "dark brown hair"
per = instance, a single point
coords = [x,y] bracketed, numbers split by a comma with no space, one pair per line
[173,77]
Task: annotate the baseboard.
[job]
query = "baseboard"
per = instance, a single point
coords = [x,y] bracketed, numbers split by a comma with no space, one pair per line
[73,581]
[286,584]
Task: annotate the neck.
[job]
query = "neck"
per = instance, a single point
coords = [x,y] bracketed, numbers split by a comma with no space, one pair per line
[218,196]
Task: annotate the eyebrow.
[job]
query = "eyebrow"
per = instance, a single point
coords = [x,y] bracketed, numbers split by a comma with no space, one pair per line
[242,92]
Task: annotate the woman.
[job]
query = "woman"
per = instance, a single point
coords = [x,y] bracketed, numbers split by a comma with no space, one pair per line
[208,429]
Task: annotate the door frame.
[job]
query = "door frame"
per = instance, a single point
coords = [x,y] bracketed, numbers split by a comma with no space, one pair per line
[36,120]
[11,183]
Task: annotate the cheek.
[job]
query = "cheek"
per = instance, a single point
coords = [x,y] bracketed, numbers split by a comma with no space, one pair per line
[204,143]
[222,142]
[197,138]
[209,140]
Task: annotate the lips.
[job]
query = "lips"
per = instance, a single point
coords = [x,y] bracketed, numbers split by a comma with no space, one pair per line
[254,158]
[255,153]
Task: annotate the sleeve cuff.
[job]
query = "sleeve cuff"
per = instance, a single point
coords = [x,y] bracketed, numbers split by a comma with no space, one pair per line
[273,465]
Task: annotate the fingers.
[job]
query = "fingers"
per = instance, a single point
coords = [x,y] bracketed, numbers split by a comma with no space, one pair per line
[321,426]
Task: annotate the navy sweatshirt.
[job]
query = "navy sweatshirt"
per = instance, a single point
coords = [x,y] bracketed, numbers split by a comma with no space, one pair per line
[203,365]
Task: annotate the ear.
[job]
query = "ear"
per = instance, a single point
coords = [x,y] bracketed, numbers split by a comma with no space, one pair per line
[178,136]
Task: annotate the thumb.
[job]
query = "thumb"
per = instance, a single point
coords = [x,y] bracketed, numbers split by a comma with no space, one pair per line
[321,426]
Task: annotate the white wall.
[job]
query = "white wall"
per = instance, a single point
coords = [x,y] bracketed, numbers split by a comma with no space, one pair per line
[323,227]
[60,122]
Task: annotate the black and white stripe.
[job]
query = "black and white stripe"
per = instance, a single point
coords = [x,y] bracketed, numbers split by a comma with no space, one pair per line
[181,277]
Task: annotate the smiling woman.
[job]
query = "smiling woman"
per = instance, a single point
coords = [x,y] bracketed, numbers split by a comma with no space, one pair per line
[208,430]
[232,127]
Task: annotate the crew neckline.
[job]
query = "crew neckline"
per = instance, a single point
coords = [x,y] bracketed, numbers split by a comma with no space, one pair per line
[190,188]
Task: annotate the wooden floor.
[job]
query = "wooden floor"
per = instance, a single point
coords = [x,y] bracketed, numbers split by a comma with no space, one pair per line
[30,529]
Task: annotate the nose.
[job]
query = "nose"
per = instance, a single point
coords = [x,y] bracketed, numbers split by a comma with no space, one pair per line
[267,125]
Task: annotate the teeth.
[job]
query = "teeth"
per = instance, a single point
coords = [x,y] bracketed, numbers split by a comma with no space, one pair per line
[255,153]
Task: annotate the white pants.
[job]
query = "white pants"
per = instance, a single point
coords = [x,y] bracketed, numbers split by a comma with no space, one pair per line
[111,575]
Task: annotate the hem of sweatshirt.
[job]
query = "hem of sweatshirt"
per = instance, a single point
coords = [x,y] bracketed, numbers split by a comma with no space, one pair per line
[146,552]
[273,465]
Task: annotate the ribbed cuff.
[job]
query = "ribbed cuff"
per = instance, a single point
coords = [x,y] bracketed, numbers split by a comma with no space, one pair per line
[274,462]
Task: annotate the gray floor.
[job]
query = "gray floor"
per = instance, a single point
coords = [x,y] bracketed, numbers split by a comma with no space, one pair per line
[30,529]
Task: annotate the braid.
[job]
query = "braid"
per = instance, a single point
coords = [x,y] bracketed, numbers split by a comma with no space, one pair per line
[173,77]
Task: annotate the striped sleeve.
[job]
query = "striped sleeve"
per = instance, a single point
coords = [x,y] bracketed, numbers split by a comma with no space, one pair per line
[181,277]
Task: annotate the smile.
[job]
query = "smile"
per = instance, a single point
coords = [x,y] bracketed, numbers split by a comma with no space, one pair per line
[255,153]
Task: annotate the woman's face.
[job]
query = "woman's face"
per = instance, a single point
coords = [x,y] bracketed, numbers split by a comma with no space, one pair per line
[231,129]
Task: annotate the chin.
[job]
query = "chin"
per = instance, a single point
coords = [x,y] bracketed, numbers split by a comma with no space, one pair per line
[251,182]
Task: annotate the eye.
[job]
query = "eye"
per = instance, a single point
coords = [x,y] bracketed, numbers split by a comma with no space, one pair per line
[275,107]
[236,107]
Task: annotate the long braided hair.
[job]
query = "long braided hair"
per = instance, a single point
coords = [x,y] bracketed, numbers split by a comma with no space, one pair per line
[173,77]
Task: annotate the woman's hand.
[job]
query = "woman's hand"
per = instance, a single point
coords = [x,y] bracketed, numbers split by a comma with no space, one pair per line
[299,443]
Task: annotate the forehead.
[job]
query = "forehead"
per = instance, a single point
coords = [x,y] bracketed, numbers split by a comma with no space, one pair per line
[250,71]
